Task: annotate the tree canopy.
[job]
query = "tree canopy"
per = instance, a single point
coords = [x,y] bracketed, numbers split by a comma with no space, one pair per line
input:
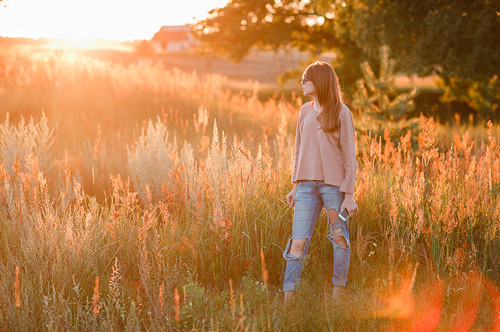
[456,39]
[449,37]
[273,24]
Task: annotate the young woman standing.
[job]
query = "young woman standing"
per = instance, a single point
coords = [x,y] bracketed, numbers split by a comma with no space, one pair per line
[323,174]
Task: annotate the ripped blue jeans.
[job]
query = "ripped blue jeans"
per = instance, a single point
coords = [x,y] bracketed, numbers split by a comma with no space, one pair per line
[310,198]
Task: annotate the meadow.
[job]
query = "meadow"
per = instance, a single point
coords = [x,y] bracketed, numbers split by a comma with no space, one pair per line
[134,197]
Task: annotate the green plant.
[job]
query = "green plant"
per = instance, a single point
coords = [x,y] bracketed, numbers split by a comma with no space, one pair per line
[378,101]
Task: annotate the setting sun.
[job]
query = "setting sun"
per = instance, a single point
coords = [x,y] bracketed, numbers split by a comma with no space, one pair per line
[110,19]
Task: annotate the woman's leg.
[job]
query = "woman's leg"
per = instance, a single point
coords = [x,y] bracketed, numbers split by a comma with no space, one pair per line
[341,251]
[337,231]
[339,255]
[339,234]
[308,206]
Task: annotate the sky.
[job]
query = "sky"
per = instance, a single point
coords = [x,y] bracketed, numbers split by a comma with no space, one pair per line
[109,19]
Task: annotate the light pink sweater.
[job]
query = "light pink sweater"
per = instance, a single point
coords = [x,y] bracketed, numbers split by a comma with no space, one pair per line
[328,157]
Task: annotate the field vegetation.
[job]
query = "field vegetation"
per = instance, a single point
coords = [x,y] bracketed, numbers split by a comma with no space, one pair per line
[139,198]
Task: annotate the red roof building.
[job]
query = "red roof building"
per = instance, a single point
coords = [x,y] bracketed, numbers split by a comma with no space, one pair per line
[173,38]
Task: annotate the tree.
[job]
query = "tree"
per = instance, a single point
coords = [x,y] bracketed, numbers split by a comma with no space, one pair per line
[458,40]
[448,37]
[143,48]
[273,24]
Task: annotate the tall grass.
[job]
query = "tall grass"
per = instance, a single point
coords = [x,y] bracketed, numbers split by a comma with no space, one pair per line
[171,228]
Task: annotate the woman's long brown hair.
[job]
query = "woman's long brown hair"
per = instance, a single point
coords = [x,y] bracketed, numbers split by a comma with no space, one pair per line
[327,88]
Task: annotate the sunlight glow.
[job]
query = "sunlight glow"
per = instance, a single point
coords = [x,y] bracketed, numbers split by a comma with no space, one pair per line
[80,43]
[110,19]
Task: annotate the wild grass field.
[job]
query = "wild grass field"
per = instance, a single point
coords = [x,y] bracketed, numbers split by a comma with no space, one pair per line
[139,198]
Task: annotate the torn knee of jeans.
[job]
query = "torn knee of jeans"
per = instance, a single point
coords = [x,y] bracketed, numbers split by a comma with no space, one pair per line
[336,235]
[336,240]
[337,231]
[289,257]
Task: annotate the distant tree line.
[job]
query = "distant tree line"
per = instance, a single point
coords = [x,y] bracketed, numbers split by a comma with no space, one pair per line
[455,39]
[20,40]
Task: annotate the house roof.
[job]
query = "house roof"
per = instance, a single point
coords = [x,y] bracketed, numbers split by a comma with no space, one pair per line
[172,33]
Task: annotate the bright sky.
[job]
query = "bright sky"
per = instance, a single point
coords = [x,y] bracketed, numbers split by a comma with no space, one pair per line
[110,19]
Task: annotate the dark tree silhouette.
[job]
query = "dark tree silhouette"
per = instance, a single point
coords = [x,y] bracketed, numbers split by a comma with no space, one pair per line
[455,39]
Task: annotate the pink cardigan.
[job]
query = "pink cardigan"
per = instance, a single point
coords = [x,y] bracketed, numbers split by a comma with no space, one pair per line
[328,157]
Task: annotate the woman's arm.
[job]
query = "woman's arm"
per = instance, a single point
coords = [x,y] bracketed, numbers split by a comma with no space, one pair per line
[291,194]
[349,204]
[348,147]
[297,148]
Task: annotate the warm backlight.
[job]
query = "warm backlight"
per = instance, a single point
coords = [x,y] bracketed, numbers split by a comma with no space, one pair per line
[80,21]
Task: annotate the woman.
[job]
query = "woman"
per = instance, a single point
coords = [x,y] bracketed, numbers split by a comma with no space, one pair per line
[323,174]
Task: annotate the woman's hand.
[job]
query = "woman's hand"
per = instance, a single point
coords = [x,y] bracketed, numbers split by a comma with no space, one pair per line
[291,194]
[349,204]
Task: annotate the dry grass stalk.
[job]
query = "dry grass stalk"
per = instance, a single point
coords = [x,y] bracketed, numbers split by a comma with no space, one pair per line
[95,299]
[67,173]
[98,144]
[160,300]
[177,304]
[231,298]
[212,324]
[133,147]
[16,167]
[264,268]
[188,244]
[204,143]
[147,223]
[3,307]
[361,244]
[241,321]
[17,288]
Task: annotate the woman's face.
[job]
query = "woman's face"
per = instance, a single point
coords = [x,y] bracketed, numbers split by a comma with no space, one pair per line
[307,87]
